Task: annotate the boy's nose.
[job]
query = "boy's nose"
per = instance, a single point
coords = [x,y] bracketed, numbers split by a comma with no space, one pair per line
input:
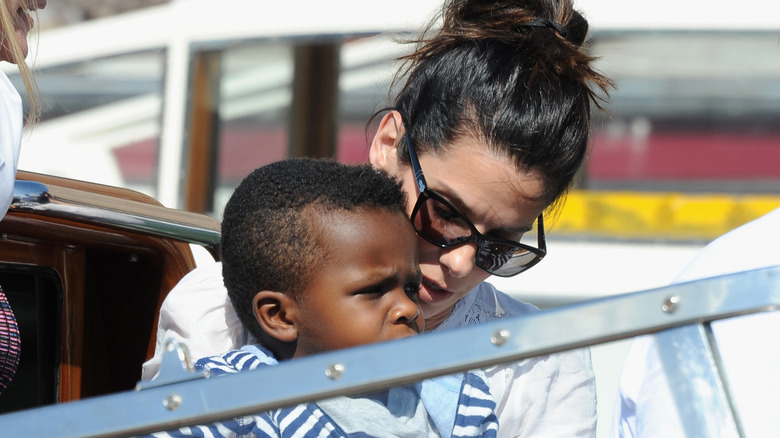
[407,312]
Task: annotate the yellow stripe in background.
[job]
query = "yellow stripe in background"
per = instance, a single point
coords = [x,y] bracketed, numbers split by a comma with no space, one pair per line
[641,215]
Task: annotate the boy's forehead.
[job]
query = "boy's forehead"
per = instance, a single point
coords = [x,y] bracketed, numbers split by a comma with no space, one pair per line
[356,246]
[366,224]
[362,214]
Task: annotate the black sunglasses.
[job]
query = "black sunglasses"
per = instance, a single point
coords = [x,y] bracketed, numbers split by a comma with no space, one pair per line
[438,221]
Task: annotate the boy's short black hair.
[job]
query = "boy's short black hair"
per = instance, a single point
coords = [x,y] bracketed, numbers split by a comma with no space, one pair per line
[268,239]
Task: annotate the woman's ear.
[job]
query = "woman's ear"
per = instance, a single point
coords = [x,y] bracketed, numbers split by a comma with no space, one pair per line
[383,153]
[276,312]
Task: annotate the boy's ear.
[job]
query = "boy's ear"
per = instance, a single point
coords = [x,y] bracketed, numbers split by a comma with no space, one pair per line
[276,312]
[383,153]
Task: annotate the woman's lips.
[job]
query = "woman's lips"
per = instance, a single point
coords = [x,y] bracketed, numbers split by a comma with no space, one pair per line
[431,293]
[23,14]
[23,20]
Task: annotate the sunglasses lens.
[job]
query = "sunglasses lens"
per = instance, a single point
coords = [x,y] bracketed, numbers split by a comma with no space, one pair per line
[504,260]
[439,223]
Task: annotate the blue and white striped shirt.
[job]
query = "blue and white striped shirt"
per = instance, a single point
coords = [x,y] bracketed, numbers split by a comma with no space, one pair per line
[474,414]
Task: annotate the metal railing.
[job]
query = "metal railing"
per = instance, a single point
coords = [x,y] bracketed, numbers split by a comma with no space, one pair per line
[179,397]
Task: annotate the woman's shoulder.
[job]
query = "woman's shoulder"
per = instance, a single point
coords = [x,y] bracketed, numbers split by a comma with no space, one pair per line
[504,304]
[486,303]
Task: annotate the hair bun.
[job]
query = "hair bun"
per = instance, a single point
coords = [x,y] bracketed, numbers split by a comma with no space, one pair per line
[549,33]
[576,28]
[512,20]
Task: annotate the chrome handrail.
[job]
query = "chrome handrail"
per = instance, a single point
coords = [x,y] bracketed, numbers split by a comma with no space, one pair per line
[107,211]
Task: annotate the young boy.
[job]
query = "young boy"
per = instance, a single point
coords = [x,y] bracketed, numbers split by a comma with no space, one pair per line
[319,256]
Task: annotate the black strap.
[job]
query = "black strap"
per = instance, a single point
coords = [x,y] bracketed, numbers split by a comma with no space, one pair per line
[546,22]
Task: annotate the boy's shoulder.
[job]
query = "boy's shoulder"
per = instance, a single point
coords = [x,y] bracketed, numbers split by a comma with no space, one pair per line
[248,357]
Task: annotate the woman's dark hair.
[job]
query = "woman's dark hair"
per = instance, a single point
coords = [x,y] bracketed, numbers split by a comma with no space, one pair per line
[510,73]
[271,235]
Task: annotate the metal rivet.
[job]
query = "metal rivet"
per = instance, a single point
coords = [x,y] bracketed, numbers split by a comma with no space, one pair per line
[172,402]
[670,304]
[335,371]
[500,337]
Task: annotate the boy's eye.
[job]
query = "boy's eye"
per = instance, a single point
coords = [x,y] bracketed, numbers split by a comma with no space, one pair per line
[412,290]
[372,290]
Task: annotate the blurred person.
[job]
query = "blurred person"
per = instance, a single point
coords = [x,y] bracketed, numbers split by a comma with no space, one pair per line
[645,406]
[495,108]
[15,23]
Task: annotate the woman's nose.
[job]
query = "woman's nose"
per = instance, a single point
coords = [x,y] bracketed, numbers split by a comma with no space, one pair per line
[36,4]
[459,260]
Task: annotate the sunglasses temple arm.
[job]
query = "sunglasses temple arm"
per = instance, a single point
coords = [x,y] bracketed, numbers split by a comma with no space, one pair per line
[542,239]
[418,173]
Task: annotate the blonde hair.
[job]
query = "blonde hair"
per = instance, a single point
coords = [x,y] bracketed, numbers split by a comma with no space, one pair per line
[7,40]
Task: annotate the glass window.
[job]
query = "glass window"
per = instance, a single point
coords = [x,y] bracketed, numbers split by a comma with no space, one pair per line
[367,69]
[694,112]
[100,121]
[255,99]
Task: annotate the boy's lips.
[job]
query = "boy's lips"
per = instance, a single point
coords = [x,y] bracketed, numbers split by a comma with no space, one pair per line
[432,293]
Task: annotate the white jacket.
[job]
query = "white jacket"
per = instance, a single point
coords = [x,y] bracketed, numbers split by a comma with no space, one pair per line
[11,119]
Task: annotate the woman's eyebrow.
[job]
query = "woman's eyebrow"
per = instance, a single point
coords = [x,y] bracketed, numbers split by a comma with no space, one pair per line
[452,196]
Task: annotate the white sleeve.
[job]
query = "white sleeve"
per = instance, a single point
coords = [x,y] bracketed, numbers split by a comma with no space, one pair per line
[197,313]
[751,246]
[10,140]
[645,406]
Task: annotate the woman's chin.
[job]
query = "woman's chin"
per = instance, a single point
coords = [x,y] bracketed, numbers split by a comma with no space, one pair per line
[21,38]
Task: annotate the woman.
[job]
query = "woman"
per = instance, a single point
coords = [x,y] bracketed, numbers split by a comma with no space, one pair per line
[15,23]
[495,109]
